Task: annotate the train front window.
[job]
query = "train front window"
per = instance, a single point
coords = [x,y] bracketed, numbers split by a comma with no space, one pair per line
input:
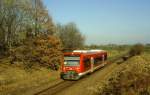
[71,61]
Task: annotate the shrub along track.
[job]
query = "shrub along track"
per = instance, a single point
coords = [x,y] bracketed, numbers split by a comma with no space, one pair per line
[63,85]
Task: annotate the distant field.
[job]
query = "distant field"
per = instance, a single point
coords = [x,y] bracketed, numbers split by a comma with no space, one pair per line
[147,49]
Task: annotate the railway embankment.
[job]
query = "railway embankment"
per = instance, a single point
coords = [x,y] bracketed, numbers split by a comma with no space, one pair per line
[132,78]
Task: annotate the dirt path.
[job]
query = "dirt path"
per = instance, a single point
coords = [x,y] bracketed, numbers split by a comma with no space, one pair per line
[86,86]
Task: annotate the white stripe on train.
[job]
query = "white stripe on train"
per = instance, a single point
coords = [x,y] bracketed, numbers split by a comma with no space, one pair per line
[91,70]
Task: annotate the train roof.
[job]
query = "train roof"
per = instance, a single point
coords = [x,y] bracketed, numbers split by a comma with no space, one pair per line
[89,51]
[84,52]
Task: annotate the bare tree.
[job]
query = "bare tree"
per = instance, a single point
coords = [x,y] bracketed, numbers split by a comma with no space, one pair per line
[21,17]
[70,36]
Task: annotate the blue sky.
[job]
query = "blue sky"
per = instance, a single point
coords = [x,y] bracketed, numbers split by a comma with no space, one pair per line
[105,21]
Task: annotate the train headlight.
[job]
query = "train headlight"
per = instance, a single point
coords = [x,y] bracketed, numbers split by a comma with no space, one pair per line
[65,63]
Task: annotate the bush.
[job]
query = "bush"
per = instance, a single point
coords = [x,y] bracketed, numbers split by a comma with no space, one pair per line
[136,50]
[44,50]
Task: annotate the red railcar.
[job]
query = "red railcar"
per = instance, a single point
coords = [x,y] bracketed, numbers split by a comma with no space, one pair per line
[81,62]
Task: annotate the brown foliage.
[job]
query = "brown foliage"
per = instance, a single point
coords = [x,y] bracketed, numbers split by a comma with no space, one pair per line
[131,79]
[45,50]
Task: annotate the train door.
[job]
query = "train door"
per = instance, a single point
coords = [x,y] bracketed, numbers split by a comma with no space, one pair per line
[104,58]
[92,64]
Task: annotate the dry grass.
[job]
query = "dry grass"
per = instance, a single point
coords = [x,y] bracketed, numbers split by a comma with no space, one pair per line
[133,78]
[15,80]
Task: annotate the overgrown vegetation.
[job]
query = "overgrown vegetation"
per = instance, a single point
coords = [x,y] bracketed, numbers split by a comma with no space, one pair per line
[44,50]
[18,18]
[136,50]
[27,32]
[28,35]
[132,79]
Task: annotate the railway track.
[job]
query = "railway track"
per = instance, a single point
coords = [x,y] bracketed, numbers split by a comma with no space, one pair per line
[56,88]
[65,84]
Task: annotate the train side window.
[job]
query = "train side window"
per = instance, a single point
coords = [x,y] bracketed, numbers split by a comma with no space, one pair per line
[97,60]
[87,63]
